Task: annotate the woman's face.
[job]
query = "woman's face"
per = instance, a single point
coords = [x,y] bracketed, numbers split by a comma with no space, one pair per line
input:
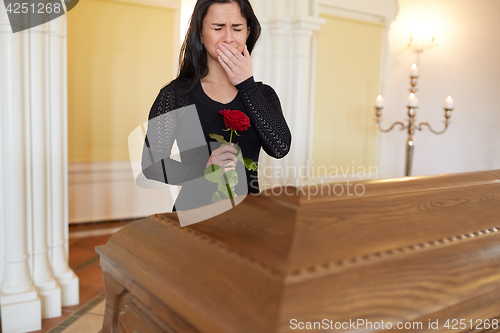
[224,23]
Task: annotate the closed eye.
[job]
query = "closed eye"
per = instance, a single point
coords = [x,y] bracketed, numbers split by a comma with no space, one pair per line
[221,29]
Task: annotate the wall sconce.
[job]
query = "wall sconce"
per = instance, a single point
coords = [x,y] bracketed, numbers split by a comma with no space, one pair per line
[422,37]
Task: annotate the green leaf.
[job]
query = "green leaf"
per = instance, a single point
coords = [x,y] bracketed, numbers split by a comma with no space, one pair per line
[216,197]
[221,187]
[236,133]
[230,190]
[213,173]
[217,137]
[238,153]
[249,164]
[231,177]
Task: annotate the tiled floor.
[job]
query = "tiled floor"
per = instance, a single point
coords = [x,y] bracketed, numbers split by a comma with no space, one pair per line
[86,317]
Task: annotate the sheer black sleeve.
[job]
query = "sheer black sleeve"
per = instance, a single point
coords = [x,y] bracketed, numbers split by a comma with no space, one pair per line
[161,133]
[264,111]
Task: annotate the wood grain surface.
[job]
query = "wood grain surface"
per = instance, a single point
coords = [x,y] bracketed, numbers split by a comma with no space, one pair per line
[411,249]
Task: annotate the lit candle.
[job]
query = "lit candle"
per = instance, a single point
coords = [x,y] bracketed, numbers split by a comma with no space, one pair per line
[414,70]
[412,100]
[379,102]
[448,103]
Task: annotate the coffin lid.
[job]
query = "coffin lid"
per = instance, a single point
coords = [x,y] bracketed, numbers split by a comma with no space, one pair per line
[296,253]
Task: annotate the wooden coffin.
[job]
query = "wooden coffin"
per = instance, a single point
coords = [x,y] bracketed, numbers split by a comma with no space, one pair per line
[408,250]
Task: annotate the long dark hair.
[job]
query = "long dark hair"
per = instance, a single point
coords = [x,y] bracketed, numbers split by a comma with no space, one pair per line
[193,55]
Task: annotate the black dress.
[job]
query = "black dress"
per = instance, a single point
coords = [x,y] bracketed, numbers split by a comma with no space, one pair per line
[268,130]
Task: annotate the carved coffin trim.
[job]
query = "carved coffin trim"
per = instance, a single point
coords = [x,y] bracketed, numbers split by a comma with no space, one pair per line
[315,271]
[218,245]
[326,268]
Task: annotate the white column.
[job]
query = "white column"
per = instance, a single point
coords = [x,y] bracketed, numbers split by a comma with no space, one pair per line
[57,191]
[301,100]
[280,76]
[20,305]
[47,287]
[285,59]
[35,278]
[3,43]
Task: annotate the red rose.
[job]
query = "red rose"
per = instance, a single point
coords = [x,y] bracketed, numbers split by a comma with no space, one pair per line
[235,120]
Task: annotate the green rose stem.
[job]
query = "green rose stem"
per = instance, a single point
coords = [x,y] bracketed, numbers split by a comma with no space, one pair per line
[224,184]
[226,181]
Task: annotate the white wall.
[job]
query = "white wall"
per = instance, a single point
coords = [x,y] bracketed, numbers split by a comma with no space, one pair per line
[465,65]
[187,7]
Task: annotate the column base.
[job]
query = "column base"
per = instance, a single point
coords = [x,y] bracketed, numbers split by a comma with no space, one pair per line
[69,283]
[21,312]
[50,296]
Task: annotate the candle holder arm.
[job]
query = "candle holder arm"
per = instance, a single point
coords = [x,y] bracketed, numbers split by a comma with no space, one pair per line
[419,127]
[447,116]
[403,127]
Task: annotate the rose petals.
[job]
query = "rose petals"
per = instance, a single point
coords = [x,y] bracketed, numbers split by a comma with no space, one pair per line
[235,120]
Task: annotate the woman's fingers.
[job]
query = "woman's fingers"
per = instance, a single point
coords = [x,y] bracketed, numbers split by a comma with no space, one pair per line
[231,163]
[225,156]
[232,53]
[226,167]
[245,52]
[225,162]
[237,66]
[223,64]
[224,159]
[225,148]
[225,54]
[224,170]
